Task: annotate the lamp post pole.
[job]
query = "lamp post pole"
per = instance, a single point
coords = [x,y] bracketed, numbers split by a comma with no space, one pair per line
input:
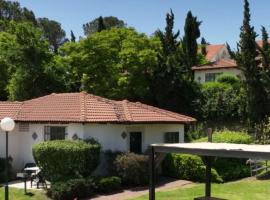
[7,124]
[7,168]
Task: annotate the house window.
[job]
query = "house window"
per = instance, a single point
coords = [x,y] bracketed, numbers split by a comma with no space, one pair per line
[210,77]
[172,137]
[54,133]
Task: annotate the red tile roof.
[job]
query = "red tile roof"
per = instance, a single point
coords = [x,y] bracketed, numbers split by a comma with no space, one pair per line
[212,50]
[219,64]
[87,108]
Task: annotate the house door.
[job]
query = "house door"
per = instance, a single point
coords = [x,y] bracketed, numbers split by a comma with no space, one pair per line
[135,145]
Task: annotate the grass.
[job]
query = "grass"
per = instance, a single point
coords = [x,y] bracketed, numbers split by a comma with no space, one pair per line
[246,189]
[18,194]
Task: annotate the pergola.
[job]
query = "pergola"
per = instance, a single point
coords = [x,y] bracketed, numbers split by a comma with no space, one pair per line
[208,151]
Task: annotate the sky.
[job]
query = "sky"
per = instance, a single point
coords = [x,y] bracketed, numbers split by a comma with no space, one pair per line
[221,19]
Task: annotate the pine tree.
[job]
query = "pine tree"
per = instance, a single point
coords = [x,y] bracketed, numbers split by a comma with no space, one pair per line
[101,25]
[72,36]
[189,43]
[203,46]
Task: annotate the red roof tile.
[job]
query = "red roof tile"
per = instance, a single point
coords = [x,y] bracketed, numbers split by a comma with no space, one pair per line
[87,108]
[219,64]
[212,50]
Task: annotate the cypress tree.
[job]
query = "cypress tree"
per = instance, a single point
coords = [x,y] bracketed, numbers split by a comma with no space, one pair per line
[203,46]
[246,58]
[189,43]
[265,48]
[72,36]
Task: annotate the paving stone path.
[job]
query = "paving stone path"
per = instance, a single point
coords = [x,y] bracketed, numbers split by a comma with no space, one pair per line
[138,191]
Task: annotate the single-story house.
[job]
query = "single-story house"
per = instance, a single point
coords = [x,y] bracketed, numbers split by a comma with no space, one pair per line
[117,125]
[210,71]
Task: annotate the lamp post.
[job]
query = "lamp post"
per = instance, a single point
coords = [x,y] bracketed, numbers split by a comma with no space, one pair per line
[7,124]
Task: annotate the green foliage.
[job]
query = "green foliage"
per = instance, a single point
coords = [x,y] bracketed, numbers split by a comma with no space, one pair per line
[132,168]
[224,100]
[102,23]
[262,131]
[246,57]
[188,167]
[265,175]
[53,32]
[189,43]
[230,168]
[3,167]
[65,158]
[227,136]
[108,184]
[72,189]
[113,63]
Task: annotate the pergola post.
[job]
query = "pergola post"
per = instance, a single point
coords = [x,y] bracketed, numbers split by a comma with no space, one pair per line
[152,174]
[208,166]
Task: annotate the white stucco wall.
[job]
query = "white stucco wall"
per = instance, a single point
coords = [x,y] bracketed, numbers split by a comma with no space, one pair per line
[199,75]
[109,135]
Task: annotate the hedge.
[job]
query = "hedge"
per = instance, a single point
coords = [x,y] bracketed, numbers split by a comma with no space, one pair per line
[72,189]
[191,167]
[3,167]
[108,184]
[231,168]
[61,159]
[227,136]
[132,168]
[188,167]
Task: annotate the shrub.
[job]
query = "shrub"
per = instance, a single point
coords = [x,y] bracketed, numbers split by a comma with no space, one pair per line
[229,137]
[224,101]
[63,158]
[108,184]
[264,175]
[132,168]
[3,168]
[188,167]
[71,189]
[231,168]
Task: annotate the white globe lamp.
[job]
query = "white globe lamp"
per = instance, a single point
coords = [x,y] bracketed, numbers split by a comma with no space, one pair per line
[7,124]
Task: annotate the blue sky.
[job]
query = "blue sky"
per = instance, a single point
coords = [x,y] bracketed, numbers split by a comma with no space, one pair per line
[221,18]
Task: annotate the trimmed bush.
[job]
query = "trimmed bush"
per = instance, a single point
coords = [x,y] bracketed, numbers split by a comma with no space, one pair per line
[62,159]
[229,137]
[231,168]
[132,168]
[108,184]
[188,167]
[71,189]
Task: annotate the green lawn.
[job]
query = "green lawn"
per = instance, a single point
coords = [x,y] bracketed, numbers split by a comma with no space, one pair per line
[248,189]
[18,194]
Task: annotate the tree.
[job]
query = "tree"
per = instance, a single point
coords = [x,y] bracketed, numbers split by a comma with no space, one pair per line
[189,43]
[170,86]
[246,58]
[26,56]
[100,26]
[72,36]
[203,46]
[264,49]
[10,10]
[52,32]
[102,23]
[116,63]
